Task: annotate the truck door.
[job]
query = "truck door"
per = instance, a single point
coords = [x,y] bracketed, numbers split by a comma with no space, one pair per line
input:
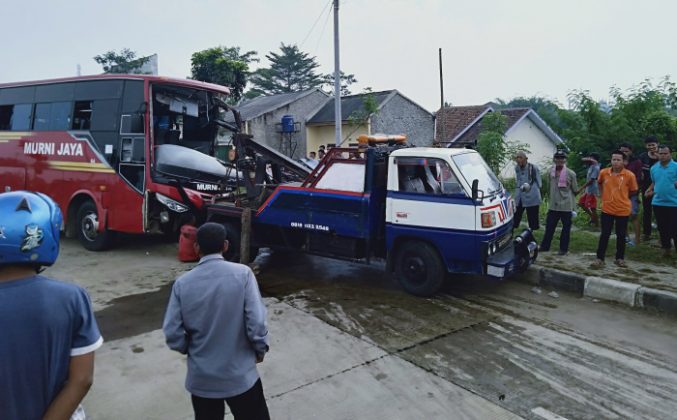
[432,205]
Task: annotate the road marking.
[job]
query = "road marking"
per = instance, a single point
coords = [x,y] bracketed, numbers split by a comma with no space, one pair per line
[548,415]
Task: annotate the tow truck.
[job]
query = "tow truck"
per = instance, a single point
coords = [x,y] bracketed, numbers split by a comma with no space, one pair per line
[426,211]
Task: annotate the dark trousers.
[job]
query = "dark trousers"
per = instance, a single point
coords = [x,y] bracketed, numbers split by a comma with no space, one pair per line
[666,219]
[532,216]
[621,231]
[646,215]
[551,221]
[250,405]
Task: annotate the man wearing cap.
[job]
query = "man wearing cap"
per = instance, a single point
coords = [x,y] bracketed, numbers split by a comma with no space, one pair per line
[528,191]
[563,187]
[588,200]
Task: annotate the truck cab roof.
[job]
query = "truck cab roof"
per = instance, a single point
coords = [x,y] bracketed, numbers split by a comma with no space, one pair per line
[431,152]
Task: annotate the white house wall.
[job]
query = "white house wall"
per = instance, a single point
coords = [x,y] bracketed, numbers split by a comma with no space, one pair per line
[541,148]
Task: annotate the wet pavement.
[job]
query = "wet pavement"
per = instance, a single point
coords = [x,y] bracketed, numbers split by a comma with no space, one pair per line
[492,345]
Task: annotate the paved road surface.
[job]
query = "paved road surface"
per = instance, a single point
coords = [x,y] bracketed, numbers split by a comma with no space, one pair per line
[348,343]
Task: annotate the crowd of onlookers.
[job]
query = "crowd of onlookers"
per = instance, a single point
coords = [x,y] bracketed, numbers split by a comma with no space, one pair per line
[650,178]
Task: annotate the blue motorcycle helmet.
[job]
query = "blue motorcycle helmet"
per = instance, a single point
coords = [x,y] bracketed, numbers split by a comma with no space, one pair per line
[29,229]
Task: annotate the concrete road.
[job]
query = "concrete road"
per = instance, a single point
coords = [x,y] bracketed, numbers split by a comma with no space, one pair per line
[348,343]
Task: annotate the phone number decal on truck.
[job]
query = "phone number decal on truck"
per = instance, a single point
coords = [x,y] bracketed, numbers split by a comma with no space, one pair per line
[311,226]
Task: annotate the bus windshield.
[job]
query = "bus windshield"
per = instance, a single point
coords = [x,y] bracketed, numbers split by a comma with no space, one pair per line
[472,166]
[187,117]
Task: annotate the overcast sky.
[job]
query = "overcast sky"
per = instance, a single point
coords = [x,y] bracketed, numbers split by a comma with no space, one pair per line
[491,48]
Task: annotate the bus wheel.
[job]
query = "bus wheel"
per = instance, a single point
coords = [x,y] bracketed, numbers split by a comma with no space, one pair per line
[419,269]
[87,220]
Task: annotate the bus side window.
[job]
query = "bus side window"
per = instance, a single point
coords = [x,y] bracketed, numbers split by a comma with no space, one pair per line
[19,117]
[82,115]
[5,116]
[132,150]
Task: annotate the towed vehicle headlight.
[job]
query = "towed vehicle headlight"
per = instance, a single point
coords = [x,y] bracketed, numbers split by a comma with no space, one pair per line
[171,204]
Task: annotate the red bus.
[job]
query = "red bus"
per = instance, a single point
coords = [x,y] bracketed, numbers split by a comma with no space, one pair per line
[118,153]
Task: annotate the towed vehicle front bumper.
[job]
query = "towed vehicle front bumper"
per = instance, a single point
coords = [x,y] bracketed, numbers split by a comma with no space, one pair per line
[514,258]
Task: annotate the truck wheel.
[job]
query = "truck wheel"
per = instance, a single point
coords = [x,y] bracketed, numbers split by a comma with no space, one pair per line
[87,220]
[419,269]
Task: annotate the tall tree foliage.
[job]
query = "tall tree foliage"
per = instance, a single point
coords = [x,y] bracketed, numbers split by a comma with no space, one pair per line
[591,126]
[491,143]
[224,66]
[124,62]
[292,70]
[346,81]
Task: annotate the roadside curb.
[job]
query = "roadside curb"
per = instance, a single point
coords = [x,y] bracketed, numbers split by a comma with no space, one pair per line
[629,294]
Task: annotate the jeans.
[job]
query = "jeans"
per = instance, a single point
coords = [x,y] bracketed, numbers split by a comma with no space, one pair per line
[532,216]
[551,221]
[666,219]
[646,215]
[250,405]
[608,221]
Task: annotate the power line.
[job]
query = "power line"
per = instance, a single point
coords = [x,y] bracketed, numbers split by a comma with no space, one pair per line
[315,23]
[322,32]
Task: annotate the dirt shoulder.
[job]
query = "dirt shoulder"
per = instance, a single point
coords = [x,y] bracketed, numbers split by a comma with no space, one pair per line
[657,276]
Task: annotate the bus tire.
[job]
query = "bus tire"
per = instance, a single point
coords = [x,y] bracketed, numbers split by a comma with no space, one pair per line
[419,269]
[87,220]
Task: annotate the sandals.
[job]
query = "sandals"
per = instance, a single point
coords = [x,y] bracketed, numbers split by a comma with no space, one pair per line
[621,263]
[597,264]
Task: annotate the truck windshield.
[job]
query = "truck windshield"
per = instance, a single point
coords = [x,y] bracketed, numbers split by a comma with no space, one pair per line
[472,167]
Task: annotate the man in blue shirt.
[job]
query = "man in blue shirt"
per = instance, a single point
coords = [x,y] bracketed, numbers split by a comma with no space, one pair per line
[216,316]
[49,333]
[663,194]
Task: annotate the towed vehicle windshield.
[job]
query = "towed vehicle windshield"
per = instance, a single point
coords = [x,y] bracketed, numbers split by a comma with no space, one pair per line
[188,117]
[472,166]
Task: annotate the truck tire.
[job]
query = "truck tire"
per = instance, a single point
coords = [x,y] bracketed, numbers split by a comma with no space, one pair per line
[419,269]
[233,253]
[87,220]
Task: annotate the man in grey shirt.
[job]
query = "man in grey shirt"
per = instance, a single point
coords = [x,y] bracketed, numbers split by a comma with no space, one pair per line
[563,187]
[528,191]
[216,316]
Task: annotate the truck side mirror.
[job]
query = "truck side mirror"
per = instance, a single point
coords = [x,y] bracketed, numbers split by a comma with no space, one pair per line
[475,185]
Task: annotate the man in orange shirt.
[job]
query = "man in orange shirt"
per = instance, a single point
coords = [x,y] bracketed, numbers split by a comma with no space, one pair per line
[616,185]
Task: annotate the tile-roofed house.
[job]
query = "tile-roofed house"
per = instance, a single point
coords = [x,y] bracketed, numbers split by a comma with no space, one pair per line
[396,114]
[453,121]
[262,118]
[461,127]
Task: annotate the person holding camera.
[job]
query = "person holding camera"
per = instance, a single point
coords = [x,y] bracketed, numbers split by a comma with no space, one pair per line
[528,191]
[588,201]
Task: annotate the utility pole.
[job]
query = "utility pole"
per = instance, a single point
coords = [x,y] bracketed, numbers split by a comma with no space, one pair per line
[338,120]
[439,123]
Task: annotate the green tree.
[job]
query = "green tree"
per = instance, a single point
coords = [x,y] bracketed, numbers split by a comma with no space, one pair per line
[346,81]
[224,66]
[491,143]
[123,62]
[291,70]
[361,115]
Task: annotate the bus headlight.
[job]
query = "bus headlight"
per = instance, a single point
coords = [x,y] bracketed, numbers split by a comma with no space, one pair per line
[171,204]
